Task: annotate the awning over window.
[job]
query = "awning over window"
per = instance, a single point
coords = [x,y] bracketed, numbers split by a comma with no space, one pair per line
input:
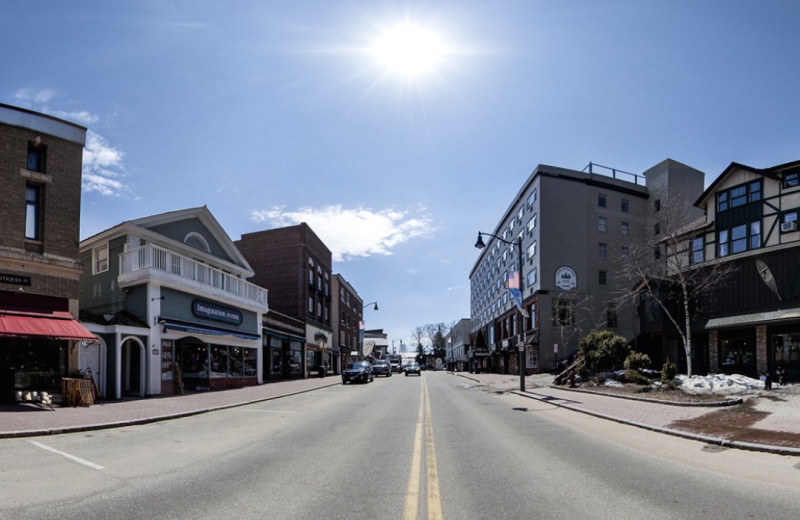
[54,325]
[192,328]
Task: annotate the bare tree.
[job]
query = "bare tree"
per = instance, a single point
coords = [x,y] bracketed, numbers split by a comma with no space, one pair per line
[666,268]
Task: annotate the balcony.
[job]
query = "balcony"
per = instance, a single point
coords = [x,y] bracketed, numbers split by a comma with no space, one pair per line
[149,261]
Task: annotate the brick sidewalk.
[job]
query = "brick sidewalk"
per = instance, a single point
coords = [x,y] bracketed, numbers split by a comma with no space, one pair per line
[26,420]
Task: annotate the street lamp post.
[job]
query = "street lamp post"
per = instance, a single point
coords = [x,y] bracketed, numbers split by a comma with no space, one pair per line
[521,347]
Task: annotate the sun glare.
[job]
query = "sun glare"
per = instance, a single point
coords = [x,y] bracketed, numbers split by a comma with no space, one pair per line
[409,49]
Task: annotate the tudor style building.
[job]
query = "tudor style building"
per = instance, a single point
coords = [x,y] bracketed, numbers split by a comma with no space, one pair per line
[40,179]
[751,324]
[169,298]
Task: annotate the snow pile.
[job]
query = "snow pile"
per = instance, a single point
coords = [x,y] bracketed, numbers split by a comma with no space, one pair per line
[719,384]
[612,382]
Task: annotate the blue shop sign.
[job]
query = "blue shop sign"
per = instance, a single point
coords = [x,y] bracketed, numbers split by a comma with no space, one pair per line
[213,311]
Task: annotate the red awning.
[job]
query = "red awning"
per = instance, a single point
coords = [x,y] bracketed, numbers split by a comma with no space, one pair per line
[55,325]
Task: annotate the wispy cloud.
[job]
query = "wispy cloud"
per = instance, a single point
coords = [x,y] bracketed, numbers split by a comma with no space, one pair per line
[102,166]
[351,233]
[102,163]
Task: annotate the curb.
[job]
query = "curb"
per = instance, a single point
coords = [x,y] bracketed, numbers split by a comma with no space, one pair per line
[710,404]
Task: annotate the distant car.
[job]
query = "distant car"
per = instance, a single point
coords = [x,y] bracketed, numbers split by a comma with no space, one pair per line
[395,366]
[412,368]
[381,367]
[358,372]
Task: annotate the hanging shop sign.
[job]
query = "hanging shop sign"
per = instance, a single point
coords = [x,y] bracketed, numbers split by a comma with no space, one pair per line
[212,311]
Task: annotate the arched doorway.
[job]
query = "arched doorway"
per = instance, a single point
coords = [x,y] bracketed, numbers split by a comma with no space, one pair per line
[133,368]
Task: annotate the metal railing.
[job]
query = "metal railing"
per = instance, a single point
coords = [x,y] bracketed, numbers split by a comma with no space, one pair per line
[615,173]
[154,257]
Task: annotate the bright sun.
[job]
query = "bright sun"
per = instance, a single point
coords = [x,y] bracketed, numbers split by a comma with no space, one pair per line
[409,49]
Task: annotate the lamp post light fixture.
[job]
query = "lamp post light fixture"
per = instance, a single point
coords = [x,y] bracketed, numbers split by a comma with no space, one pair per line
[375,305]
[521,346]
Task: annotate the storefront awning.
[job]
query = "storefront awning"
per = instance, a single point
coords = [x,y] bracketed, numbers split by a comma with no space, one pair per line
[54,325]
[193,328]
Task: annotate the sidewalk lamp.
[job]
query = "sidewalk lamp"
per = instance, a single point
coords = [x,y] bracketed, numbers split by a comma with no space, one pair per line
[375,305]
[521,346]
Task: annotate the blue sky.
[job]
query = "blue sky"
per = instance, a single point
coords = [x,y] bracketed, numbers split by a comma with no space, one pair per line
[276,112]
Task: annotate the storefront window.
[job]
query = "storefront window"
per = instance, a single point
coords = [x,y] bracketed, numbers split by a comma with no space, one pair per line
[296,358]
[786,349]
[194,360]
[738,355]
[219,361]
[311,364]
[250,359]
[235,361]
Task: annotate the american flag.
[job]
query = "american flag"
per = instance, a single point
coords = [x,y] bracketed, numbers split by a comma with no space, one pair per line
[513,280]
[361,325]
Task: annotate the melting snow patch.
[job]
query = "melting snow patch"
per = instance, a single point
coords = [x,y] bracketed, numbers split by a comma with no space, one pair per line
[719,384]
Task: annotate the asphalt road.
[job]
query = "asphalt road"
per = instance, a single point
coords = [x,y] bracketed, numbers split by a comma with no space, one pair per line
[400,447]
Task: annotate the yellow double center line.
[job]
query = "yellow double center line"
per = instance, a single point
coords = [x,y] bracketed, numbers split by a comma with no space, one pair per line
[413,493]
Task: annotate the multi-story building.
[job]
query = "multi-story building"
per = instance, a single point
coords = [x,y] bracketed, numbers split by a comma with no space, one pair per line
[347,311]
[574,227]
[750,324]
[168,297]
[40,178]
[458,343]
[295,266]
[375,344]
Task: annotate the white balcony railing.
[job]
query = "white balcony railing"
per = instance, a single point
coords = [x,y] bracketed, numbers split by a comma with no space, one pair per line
[160,259]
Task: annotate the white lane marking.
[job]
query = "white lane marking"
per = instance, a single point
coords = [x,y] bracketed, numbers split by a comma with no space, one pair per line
[67,455]
[266,411]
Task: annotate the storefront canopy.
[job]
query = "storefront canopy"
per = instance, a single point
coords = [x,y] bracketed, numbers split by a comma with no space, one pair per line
[53,325]
[193,328]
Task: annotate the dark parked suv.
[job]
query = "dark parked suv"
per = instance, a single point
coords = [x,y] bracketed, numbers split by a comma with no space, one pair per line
[381,367]
[358,371]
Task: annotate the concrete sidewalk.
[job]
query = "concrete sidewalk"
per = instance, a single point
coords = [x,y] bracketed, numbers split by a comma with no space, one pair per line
[777,412]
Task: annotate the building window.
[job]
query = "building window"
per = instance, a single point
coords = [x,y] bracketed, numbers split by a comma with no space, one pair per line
[602,224]
[611,315]
[602,277]
[624,206]
[100,260]
[739,239]
[789,221]
[33,202]
[657,228]
[601,200]
[738,196]
[311,276]
[698,250]
[310,305]
[563,312]
[532,197]
[532,250]
[532,277]
[532,223]
[36,157]
[624,228]
[791,179]
[657,205]
[602,250]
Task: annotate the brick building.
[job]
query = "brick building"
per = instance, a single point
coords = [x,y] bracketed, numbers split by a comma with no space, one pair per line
[294,265]
[40,179]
